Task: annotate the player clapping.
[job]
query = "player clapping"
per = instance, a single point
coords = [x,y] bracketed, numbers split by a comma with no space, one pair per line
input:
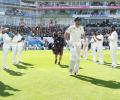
[113,38]
[7,38]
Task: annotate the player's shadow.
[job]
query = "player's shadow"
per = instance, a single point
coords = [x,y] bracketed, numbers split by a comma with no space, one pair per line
[107,64]
[67,66]
[63,66]
[5,88]
[21,67]
[118,67]
[89,60]
[110,64]
[99,82]
[13,73]
[26,64]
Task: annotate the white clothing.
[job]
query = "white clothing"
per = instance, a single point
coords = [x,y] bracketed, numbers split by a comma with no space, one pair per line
[75,42]
[113,38]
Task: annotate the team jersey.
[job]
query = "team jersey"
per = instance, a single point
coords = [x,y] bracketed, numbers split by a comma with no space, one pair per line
[100,43]
[75,33]
[113,38]
[6,39]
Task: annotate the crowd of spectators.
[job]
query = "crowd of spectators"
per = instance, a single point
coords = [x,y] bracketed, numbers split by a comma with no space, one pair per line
[94,3]
[20,12]
[14,12]
[111,3]
[53,27]
[106,23]
[41,32]
[46,4]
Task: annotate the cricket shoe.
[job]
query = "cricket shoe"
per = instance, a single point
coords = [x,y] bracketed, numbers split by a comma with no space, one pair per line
[75,74]
[114,66]
[71,74]
[5,68]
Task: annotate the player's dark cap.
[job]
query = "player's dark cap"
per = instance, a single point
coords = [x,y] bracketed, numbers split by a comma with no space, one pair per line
[77,19]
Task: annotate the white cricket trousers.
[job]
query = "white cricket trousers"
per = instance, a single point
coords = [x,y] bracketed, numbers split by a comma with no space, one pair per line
[113,54]
[6,49]
[14,51]
[100,55]
[19,52]
[94,48]
[74,58]
[85,52]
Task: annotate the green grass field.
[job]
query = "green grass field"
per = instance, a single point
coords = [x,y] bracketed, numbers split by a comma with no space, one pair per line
[38,78]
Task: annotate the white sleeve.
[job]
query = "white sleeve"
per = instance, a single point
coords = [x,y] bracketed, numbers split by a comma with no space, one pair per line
[100,37]
[92,40]
[19,37]
[69,30]
[6,38]
[86,40]
[112,37]
[82,30]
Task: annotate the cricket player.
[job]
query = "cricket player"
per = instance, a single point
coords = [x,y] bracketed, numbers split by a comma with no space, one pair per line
[94,46]
[99,40]
[85,48]
[73,37]
[113,38]
[20,46]
[17,47]
[7,38]
[14,47]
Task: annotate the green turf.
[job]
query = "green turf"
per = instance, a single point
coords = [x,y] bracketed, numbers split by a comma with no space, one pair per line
[40,79]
